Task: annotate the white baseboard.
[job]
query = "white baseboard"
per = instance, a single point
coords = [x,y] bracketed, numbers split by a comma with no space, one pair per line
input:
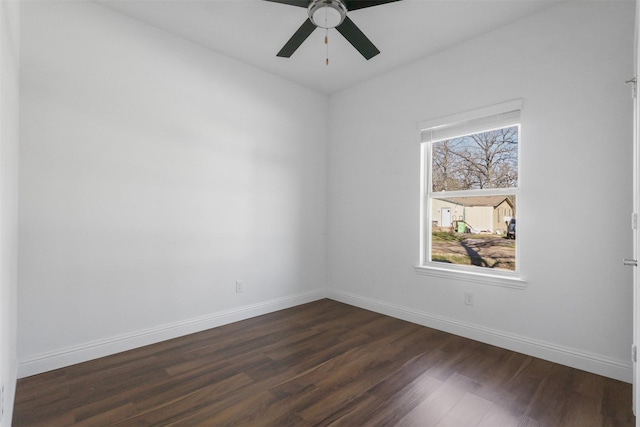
[589,362]
[597,364]
[60,358]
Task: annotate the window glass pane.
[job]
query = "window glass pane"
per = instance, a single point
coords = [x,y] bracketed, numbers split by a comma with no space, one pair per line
[474,231]
[478,161]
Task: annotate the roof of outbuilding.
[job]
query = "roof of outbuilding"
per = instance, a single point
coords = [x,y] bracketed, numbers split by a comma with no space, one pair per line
[492,201]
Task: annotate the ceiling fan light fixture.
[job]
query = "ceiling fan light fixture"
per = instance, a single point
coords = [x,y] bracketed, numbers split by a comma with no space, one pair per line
[327,13]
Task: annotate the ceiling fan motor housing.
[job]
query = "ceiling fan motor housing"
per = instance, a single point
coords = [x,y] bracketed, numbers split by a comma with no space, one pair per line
[327,13]
[330,14]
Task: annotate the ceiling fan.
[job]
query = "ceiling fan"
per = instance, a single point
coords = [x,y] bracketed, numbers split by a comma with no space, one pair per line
[331,14]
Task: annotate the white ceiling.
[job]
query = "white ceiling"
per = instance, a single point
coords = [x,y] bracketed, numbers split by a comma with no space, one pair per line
[253,31]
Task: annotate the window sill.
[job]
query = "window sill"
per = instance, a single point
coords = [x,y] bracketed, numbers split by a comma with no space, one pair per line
[510,281]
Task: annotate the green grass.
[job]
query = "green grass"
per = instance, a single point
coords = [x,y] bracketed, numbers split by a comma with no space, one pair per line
[444,236]
[452,259]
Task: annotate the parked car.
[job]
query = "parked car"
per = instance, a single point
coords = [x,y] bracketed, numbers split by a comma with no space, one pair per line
[511,229]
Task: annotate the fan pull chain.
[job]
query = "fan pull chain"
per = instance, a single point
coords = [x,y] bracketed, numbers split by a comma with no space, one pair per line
[326,32]
[326,42]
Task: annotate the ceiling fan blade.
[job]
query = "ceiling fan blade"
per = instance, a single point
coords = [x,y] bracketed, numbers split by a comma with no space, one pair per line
[296,40]
[301,3]
[352,33]
[361,4]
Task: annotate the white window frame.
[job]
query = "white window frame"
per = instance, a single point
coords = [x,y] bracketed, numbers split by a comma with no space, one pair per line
[476,121]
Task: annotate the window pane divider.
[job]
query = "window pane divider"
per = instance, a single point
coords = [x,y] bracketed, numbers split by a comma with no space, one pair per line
[474,193]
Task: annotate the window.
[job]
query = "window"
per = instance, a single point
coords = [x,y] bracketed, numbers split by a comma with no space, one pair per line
[470,190]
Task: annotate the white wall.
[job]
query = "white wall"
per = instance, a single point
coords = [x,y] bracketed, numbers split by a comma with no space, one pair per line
[9,107]
[154,174]
[568,63]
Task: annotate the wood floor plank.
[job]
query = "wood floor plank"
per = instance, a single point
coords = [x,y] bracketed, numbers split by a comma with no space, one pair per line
[435,408]
[402,403]
[466,412]
[498,416]
[321,364]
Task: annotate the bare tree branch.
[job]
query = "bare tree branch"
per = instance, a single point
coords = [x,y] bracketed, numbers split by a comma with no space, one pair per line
[482,160]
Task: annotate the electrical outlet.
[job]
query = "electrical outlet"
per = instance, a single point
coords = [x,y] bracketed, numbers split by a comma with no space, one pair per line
[239,286]
[468,298]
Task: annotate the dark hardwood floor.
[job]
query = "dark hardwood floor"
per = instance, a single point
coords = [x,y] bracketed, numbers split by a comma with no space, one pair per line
[321,364]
